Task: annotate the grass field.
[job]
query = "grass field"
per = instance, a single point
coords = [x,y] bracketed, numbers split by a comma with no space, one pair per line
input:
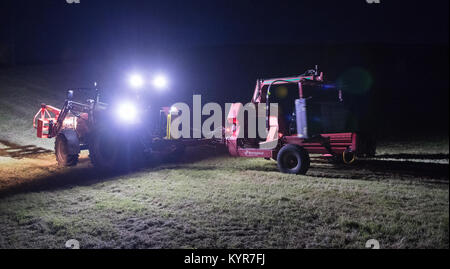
[210,200]
[222,202]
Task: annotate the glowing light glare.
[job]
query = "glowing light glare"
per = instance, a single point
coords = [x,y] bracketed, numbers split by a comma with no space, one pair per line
[70,122]
[173,110]
[127,112]
[136,81]
[281,92]
[160,82]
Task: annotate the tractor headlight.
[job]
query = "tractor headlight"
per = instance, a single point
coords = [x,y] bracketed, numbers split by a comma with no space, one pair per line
[136,81]
[127,112]
[160,82]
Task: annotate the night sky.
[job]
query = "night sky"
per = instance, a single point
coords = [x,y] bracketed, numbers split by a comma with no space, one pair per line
[54,24]
[219,48]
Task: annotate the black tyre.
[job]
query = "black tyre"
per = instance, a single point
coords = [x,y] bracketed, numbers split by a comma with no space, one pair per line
[113,152]
[106,151]
[61,152]
[293,159]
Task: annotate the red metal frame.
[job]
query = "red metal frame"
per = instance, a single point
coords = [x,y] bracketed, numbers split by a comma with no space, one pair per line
[300,79]
[339,143]
[328,145]
[41,124]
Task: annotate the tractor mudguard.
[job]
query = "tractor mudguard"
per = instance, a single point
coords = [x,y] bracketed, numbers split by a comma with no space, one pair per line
[73,143]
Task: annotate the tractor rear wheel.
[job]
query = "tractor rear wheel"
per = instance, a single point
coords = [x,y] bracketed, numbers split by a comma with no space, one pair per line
[61,152]
[293,159]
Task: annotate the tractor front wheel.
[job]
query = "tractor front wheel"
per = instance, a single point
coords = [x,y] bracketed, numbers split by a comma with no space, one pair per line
[293,159]
[113,152]
[105,150]
[62,153]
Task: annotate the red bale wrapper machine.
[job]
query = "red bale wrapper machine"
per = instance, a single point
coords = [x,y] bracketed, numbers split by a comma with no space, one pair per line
[312,119]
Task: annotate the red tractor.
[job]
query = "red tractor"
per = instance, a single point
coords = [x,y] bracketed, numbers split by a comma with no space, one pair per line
[119,136]
[312,119]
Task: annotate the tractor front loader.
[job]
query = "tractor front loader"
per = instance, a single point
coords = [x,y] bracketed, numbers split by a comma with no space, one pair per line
[71,126]
[119,137]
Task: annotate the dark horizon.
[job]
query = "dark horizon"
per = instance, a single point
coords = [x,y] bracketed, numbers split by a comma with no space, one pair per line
[40,31]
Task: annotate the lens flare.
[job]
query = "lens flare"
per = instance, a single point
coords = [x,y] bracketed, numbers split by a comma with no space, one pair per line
[356,80]
[281,92]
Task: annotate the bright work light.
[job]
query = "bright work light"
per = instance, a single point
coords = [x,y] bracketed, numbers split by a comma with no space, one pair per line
[127,112]
[136,81]
[160,82]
